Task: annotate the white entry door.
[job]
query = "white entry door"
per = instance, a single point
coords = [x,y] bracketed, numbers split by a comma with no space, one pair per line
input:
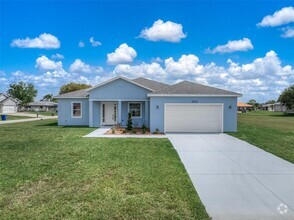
[109,113]
[190,117]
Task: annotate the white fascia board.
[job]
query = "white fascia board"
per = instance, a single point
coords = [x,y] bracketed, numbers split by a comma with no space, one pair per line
[191,95]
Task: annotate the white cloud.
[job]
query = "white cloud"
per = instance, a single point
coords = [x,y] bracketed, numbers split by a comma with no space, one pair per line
[288,32]
[163,31]
[44,41]
[57,56]
[281,17]
[94,43]
[233,46]
[79,66]
[43,63]
[122,54]
[262,79]
[81,44]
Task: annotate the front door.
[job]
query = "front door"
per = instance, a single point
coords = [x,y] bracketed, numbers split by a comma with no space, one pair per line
[109,113]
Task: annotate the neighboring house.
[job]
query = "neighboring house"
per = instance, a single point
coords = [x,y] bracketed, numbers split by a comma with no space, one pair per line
[267,107]
[7,104]
[243,107]
[42,106]
[182,107]
[278,107]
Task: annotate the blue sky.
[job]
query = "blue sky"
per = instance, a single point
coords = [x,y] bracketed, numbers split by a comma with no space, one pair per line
[168,41]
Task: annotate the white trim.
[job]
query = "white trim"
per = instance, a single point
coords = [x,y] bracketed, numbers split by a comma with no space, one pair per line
[71,97]
[166,104]
[72,116]
[115,100]
[101,112]
[140,109]
[191,95]
[116,78]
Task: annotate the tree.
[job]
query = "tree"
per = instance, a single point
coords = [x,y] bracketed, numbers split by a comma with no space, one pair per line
[287,97]
[253,103]
[271,102]
[70,87]
[130,122]
[24,92]
[47,98]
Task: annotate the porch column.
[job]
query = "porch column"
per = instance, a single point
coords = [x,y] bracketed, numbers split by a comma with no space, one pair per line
[146,113]
[91,113]
[119,111]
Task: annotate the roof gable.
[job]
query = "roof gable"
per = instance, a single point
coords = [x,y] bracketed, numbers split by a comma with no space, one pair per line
[8,99]
[117,78]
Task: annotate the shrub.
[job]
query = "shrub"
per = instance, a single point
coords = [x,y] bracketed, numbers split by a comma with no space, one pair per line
[144,128]
[130,122]
[156,131]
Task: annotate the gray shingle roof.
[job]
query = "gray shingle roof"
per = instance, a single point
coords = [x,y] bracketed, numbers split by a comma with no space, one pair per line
[190,88]
[75,94]
[182,88]
[42,103]
[154,85]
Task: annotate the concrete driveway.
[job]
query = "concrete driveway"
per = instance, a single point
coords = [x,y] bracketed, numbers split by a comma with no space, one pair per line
[236,180]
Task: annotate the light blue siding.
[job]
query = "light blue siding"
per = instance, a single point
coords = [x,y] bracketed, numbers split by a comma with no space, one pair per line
[65,114]
[124,115]
[157,114]
[119,90]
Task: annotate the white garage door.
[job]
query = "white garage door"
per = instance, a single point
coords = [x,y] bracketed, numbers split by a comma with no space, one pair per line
[8,109]
[193,117]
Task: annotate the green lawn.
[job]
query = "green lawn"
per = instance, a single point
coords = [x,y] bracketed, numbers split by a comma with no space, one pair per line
[14,117]
[51,172]
[271,131]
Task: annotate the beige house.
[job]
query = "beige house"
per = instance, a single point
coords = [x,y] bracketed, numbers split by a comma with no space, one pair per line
[7,104]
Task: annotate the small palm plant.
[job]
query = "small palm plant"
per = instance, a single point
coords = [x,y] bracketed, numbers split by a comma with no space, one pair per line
[130,122]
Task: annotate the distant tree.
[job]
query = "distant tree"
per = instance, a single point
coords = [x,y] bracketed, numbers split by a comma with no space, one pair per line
[271,102]
[287,97]
[70,87]
[253,103]
[24,92]
[47,98]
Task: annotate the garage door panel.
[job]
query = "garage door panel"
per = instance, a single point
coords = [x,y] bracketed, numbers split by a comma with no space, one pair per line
[193,118]
[8,109]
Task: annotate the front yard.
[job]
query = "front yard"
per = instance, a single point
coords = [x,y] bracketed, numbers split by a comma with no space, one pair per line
[271,131]
[50,172]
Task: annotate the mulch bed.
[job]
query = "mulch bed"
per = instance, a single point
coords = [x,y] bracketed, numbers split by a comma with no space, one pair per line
[122,131]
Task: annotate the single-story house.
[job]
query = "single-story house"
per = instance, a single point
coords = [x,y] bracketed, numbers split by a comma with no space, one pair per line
[42,106]
[243,107]
[7,104]
[267,107]
[278,107]
[182,107]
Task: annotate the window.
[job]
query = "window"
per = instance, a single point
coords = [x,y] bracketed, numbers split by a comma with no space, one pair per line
[76,109]
[135,108]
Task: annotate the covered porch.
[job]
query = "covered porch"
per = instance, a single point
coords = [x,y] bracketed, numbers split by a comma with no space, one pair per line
[115,112]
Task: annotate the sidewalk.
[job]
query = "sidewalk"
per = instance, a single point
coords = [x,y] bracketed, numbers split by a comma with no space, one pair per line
[33,118]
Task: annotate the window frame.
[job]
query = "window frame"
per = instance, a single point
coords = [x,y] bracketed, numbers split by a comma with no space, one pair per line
[140,109]
[72,109]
